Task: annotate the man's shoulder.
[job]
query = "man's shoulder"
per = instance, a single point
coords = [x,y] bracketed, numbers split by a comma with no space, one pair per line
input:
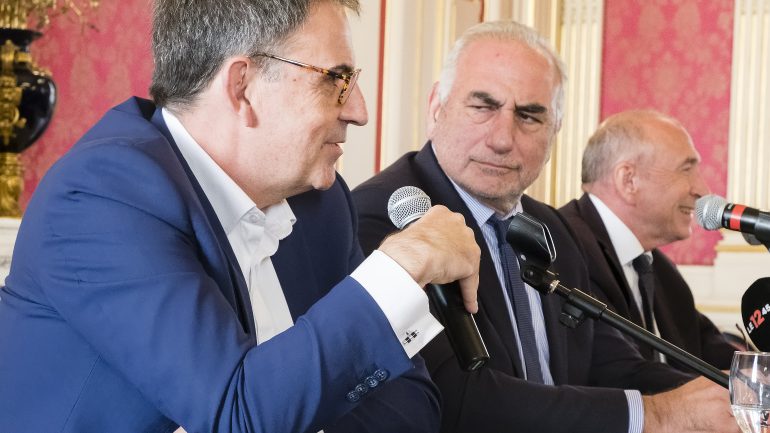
[402,171]
[544,212]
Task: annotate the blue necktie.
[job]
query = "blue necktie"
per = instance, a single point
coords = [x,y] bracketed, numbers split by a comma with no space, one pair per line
[517,293]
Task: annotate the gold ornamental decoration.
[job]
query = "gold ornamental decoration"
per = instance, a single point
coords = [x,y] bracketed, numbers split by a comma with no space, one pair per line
[27,92]
[10,94]
[16,14]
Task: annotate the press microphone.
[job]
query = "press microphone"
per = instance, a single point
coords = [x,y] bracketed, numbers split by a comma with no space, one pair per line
[755,308]
[406,205]
[713,212]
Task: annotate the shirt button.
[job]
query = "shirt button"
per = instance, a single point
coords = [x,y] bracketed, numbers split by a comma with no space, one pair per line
[361,389]
[253,219]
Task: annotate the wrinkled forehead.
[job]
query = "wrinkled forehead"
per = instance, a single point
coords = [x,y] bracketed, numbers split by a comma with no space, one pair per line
[505,69]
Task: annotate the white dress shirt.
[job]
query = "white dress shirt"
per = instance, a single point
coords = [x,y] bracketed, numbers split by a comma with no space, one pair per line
[254,236]
[627,247]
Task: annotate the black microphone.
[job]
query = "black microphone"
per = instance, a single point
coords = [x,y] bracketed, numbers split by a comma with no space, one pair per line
[713,212]
[406,205]
[755,308]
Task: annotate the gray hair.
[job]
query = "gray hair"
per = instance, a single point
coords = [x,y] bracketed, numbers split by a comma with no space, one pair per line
[191,39]
[622,136]
[505,31]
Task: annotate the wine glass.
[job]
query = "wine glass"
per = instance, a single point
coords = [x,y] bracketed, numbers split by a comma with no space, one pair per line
[750,391]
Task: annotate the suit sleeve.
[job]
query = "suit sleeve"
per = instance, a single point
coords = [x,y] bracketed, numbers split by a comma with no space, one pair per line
[113,246]
[717,351]
[408,404]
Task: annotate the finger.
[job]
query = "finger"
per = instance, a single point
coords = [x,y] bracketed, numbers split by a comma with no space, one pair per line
[469,288]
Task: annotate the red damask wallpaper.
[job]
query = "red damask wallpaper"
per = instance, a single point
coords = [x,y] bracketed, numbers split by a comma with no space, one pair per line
[675,56]
[671,55]
[94,69]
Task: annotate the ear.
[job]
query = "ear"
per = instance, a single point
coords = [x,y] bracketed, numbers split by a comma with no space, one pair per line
[238,77]
[434,109]
[625,179]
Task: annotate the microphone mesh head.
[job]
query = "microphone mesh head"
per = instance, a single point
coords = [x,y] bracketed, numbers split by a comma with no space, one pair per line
[709,210]
[407,204]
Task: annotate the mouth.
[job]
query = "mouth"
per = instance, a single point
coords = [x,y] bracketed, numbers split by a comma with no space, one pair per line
[486,165]
[687,210]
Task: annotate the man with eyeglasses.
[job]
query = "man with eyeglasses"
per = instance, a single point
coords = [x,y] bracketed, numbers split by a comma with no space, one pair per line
[492,118]
[194,262]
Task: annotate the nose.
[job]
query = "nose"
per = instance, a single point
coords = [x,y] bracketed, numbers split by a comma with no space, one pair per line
[698,185]
[354,109]
[502,129]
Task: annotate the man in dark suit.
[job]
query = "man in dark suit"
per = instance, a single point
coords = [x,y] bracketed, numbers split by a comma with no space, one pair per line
[641,178]
[162,278]
[492,118]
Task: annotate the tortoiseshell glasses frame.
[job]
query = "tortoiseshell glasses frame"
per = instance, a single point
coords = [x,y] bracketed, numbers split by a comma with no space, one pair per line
[348,80]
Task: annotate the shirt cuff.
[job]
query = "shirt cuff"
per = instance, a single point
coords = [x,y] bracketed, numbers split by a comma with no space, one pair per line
[635,411]
[403,302]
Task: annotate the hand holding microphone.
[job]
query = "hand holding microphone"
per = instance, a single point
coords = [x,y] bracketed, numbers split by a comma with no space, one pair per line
[439,251]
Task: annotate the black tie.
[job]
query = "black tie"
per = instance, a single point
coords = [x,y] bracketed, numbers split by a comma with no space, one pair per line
[643,266]
[518,296]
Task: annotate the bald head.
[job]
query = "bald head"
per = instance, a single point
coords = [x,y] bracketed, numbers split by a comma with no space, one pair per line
[627,136]
[642,164]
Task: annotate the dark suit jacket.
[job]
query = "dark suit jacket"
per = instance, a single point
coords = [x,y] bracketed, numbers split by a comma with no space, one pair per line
[589,364]
[674,308]
[125,309]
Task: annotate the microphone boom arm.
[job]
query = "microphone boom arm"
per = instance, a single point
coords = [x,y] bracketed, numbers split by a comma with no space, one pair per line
[546,282]
[536,252]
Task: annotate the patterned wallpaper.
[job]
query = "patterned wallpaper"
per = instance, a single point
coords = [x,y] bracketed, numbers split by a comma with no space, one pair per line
[672,55]
[675,56]
[94,69]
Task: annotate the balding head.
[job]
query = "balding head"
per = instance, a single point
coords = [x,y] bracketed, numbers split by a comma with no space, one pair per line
[642,164]
[626,136]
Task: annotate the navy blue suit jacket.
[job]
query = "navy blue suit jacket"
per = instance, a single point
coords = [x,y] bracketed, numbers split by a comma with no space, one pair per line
[125,309]
[673,305]
[590,363]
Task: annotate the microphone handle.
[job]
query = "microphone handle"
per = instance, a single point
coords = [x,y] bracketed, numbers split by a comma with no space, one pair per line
[460,326]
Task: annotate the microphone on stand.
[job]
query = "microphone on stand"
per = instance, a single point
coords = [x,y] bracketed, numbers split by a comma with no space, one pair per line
[406,205]
[713,212]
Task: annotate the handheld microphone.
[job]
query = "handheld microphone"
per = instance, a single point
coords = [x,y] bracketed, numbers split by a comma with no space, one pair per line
[406,205]
[755,308]
[713,212]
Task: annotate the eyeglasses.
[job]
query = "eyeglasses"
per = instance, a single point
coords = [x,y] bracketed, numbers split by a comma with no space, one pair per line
[349,80]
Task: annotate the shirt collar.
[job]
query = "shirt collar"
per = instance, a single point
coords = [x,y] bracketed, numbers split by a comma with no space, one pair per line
[481,212]
[229,201]
[626,245]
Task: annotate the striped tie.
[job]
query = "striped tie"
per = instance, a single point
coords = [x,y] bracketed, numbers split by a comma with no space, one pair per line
[517,293]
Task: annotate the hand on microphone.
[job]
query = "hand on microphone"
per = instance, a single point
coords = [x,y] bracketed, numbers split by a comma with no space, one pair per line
[697,406]
[438,248]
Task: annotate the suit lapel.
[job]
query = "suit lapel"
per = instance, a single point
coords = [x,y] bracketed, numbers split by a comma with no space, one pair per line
[222,264]
[591,217]
[295,270]
[627,306]
[491,299]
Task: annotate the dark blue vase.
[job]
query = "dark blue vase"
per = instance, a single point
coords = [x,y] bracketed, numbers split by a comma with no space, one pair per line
[26,105]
